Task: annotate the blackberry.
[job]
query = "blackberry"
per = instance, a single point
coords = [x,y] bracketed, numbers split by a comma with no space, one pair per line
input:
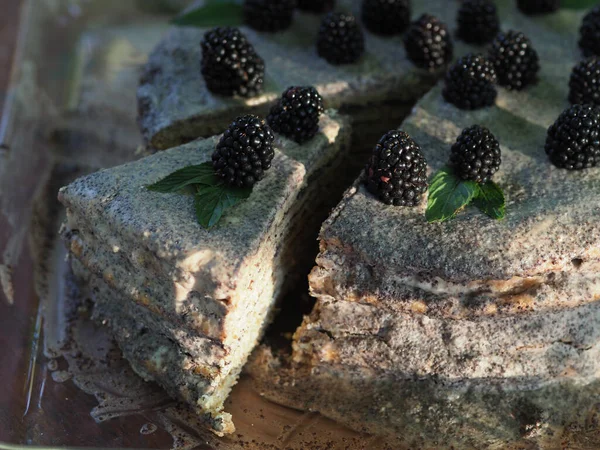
[230,65]
[340,40]
[589,33]
[533,7]
[573,141]
[397,170]
[386,17]
[476,154]
[478,21]
[584,84]
[269,15]
[296,113]
[428,43]
[515,60]
[470,83]
[316,6]
[244,152]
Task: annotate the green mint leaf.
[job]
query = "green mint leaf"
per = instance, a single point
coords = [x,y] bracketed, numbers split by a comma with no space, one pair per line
[211,202]
[578,4]
[203,174]
[212,13]
[447,195]
[490,200]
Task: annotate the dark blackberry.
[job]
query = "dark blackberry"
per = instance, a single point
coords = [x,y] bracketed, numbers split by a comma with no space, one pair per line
[478,21]
[269,15]
[316,6]
[296,113]
[340,40]
[397,170]
[230,66]
[428,43]
[589,33]
[515,60]
[476,154]
[573,141]
[386,17]
[584,85]
[534,7]
[470,83]
[244,152]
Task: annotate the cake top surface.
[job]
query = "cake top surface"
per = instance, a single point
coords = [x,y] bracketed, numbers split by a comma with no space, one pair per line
[552,214]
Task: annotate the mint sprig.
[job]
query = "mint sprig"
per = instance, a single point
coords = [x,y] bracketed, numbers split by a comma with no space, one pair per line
[212,13]
[212,197]
[448,194]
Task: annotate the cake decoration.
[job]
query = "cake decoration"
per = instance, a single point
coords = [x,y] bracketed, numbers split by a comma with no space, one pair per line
[584,84]
[296,114]
[478,21]
[533,7]
[515,60]
[269,15]
[340,39]
[316,6]
[386,17]
[589,33]
[470,83]
[428,43]
[476,154]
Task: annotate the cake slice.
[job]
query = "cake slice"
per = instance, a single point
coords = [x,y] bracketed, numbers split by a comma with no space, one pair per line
[472,333]
[186,304]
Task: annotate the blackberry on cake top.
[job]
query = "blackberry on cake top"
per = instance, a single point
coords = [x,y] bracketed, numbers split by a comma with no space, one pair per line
[534,7]
[269,15]
[340,39]
[397,170]
[230,65]
[296,114]
[584,84]
[244,152]
[316,6]
[469,83]
[428,43]
[589,33]
[476,154]
[573,141]
[515,60]
[386,17]
[478,21]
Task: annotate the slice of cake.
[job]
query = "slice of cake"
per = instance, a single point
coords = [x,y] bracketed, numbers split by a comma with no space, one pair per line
[186,304]
[472,333]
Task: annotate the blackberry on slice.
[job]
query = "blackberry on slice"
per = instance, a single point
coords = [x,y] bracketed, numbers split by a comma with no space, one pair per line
[397,170]
[584,84]
[244,152]
[589,33]
[340,39]
[478,21]
[296,113]
[476,154]
[515,60]
[230,65]
[386,17]
[533,7]
[469,83]
[573,141]
[269,15]
[316,6]
[428,43]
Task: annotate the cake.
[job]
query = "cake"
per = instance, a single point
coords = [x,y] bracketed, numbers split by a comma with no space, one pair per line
[187,304]
[472,333]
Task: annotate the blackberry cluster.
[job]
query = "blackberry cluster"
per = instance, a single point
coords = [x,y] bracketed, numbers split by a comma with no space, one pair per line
[573,141]
[589,33]
[230,65]
[296,113]
[340,40]
[386,17]
[269,15]
[476,154]
[316,6]
[470,83]
[478,21]
[533,7]
[515,60]
[244,152]
[397,170]
[428,43]
[584,84]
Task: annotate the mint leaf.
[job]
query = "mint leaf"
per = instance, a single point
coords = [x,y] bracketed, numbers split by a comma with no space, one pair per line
[490,200]
[203,174]
[211,202]
[578,4]
[212,13]
[447,195]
